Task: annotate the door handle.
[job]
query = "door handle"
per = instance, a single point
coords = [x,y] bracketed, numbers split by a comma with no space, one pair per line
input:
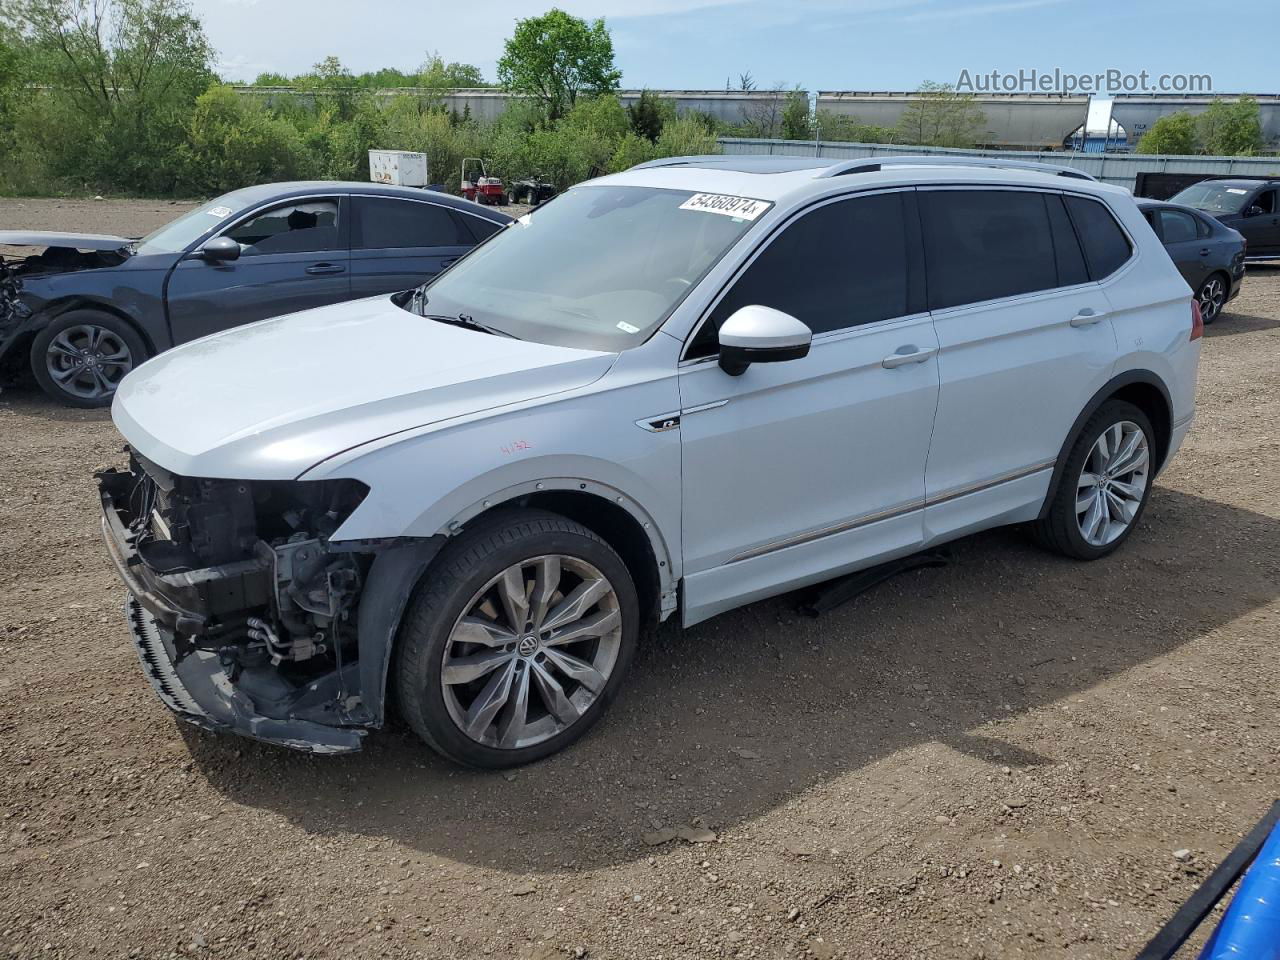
[1204,252]
[905,355]
[320,269]
[1087,318]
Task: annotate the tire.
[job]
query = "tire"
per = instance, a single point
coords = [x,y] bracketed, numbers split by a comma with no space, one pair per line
[1212,297]
[70,357]
[435,645]
[1112,493]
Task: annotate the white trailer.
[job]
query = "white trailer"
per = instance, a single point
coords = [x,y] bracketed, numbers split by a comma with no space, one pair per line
[402,168]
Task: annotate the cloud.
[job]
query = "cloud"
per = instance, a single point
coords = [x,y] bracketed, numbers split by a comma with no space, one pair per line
[976,10]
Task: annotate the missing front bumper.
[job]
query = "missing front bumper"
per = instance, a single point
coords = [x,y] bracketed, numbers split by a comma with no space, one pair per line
[199,690]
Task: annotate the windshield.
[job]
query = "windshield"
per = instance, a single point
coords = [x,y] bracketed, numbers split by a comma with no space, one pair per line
[1212,197]
[599,267]
[176,235]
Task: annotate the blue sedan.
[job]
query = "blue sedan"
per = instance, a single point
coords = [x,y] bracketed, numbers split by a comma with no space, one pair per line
[90,308]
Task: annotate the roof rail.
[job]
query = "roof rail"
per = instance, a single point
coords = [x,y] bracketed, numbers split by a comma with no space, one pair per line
[866,165]
[677,161]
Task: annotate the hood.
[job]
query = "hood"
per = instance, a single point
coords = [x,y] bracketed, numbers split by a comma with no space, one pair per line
[71,241]
[272,399]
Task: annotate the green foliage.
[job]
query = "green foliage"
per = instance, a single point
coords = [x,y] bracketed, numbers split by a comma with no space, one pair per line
[555,58]
[122,77]
[648,114]
[13,77]
[119,95]
[1223,129]
[631,150]
[836,126]
[941,117]
[437,74]
[234,141]
[686,136]
[272,80]
[1230,129]
[1173,133]
[795,117]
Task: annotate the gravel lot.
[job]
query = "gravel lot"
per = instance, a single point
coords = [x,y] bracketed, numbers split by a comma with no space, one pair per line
[994,759]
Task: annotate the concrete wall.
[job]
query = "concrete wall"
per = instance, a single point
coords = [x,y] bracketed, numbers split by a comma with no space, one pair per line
[1119,169]
[1137,113]
[1031,120]
[487,103]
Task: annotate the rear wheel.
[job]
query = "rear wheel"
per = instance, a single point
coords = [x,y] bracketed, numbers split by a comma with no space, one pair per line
[1212,297]
[80,358]
[1104,485]
[516,641]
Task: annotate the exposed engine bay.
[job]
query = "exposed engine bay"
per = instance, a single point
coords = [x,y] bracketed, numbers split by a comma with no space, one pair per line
[244,612]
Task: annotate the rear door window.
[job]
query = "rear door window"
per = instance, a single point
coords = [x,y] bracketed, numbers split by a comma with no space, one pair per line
[479,227]
[986,244]
[1176,226]
[387,223]
[304,226]
[1106,248]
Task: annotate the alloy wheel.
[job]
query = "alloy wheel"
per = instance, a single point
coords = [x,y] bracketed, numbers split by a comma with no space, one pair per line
[531,652]
[88,361]
[1212,297]
[1113,483]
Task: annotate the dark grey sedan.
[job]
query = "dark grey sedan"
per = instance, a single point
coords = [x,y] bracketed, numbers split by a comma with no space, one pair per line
[91,308]
[1209,254]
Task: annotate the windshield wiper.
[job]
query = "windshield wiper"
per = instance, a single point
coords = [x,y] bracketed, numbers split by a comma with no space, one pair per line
[419,306]
[471,323]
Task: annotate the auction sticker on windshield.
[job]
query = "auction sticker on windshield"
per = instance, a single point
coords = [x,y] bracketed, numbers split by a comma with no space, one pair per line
[740,208]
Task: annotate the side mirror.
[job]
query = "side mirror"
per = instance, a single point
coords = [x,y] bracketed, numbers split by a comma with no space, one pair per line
[758,334]
[1254,211]
[220,250]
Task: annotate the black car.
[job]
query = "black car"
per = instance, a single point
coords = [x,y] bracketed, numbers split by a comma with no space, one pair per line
[1251,206]
[1209,254]
[91,307]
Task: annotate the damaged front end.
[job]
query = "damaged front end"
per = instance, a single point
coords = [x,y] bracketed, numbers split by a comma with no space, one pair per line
[245,614]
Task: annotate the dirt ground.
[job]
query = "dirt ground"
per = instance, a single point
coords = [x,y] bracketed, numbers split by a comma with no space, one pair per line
[995,759]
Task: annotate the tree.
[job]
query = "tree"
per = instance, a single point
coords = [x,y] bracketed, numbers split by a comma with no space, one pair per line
[128,71]
[12,79]
[938,116]
[1174,133]
[270,79]
[795,116]
[1230,129]
[233,142]
[763,116]
[648,114]
[555,58]
[438,75]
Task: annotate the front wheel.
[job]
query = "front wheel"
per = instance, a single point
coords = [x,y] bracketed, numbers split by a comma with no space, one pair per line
[1104,485]
[81,356]
[516,641]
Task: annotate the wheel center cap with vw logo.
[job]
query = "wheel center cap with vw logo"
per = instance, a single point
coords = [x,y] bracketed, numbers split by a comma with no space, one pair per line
[527,646]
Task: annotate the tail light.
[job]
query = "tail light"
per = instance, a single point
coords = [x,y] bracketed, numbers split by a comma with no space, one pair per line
[1197,321]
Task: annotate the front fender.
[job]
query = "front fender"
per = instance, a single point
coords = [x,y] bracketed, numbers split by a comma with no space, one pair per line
[430,483]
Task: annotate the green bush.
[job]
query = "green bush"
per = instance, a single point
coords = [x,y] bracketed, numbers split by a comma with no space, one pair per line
[686,136]
[233,141]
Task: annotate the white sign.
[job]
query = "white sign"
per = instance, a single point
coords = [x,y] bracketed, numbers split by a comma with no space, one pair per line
[740,208]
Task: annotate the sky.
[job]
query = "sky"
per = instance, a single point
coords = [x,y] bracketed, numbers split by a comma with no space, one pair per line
[815,44]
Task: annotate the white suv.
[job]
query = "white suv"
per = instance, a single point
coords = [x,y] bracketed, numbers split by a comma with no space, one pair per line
[670,391]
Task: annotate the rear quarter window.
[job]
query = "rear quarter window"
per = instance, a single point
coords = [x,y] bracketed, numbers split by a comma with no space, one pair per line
[987,244]
[1106,247]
